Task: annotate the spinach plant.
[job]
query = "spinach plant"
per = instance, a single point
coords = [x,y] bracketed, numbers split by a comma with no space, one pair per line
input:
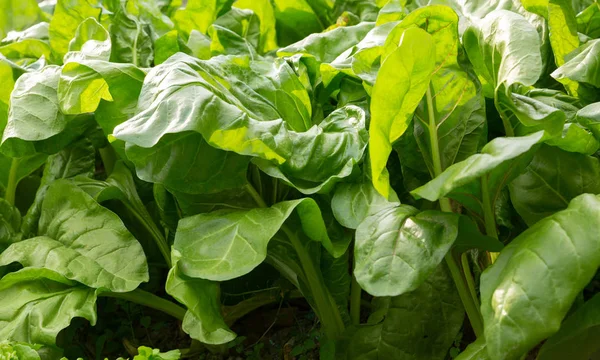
[425,176]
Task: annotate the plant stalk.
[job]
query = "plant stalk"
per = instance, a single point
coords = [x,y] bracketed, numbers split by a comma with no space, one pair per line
[457,275]
[150,300]
[355,299]
[488,215]
[326,307]
[11,186]
[158,237]
[109,157]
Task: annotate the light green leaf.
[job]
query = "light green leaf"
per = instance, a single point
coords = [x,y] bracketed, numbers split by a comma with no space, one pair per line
[19,15]
[575,138]
[544,189]
[589,117]
[581,65]
[131,40]
[91,41]
[295,20]
[577,337]
[203,320]
[400,85]
[36,304]
[352,203]
[82,241]
[264,10]
[226,244]
[10,224]
[68,14]
[199,15]
[519,307]
[30,43]
[588,21]
[408,326]
[477,350]
[398,248]
[146,353]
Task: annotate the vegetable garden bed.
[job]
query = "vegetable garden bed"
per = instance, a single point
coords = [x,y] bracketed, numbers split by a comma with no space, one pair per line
[299,179]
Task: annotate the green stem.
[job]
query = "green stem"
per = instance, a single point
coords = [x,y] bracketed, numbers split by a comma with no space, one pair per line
[488,215]
[461,284]
[158,237]
[150,300]
[470,282]
[508,129]
[109,157]
[11,186]
[355,298]
[326,307]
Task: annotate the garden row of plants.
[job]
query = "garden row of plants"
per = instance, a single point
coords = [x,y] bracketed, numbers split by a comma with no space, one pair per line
[424,175]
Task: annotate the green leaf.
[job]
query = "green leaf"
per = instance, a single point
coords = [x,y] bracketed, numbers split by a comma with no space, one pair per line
[131,39]
[18,351]
[408,326]
[342,136]
[400,85]
[500,161]
[91,41]
[24,167]
[35,121]
[203,320]
[581,65]
[31,43]
[352,203]
[398,248]
[588,21]
[264,10]
[82,241]
[477,350]
[68,14]
[576,138]
[38,303]
[577,335]
[589,117]
[19,15]
[77,159]
[225,244]
[295,20]
[199,15]
[10,224]
[146,353]
[521,308]
[544,189]
[168,45]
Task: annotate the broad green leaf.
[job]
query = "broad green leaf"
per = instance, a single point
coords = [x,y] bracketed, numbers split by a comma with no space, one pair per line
[398,248]
[19,15]
[68,14]
[470,237]
[588,21]
[577,337]
[82,241]
[203,320]
[500,161]
[295,20]
[401,83]
[575,138]
[545,188]
[199,15]
[91,41]
[31,43]
[421,324]
[264,10]
[168,45]
[233,199]
[582,65]
[244,23]
[228,42]
[477,350]
[131,39]
[186,163]
[35,120]
[36,304]
[342,136]
[77,159]
[352,203]
[326,46]
[225,244]
[519,307]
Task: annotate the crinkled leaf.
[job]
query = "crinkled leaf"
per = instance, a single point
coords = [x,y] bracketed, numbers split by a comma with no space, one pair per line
[264,10]
[528,291]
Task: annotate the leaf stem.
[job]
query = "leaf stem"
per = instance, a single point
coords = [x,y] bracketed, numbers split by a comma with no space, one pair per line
[355,299]
[457,275]
[150,300]
[11,186]
[158,237]
[326,307]
[488,215]
[470,283]
[109,157]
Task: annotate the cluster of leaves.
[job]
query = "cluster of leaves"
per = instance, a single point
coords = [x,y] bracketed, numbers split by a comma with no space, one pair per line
[212,137]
